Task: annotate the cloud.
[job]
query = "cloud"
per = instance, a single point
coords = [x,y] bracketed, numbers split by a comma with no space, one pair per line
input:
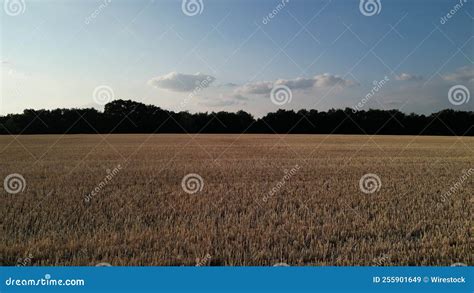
[224,100]
[300,83]
[408,77]
[180,82]
[240,97]
[463,74]
[328,80]
[229,84]
[261,87]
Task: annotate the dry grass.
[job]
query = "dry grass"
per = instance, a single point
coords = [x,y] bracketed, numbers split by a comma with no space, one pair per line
[318,217]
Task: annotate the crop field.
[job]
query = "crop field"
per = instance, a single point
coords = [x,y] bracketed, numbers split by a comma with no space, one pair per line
[231,200]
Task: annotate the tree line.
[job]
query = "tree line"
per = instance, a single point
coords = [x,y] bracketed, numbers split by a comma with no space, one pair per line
[126,116]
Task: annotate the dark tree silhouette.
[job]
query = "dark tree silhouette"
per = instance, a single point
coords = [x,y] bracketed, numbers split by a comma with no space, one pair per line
[126,116]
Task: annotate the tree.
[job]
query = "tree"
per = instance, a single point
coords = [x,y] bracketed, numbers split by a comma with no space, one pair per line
[127,116]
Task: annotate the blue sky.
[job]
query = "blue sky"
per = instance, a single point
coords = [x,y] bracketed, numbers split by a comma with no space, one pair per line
[230,56]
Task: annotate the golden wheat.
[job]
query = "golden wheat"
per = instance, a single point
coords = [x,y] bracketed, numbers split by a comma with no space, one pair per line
[263,200]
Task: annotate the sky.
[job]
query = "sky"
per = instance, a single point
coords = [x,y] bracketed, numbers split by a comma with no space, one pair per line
[258,56]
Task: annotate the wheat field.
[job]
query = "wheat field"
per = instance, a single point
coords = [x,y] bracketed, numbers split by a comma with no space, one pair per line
[250,200]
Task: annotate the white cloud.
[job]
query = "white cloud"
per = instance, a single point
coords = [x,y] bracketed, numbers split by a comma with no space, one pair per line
[180,82]
[408,77]
[261,87]
[300,83]
[463,74]
[297,83]
[224,100]
[328,80]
